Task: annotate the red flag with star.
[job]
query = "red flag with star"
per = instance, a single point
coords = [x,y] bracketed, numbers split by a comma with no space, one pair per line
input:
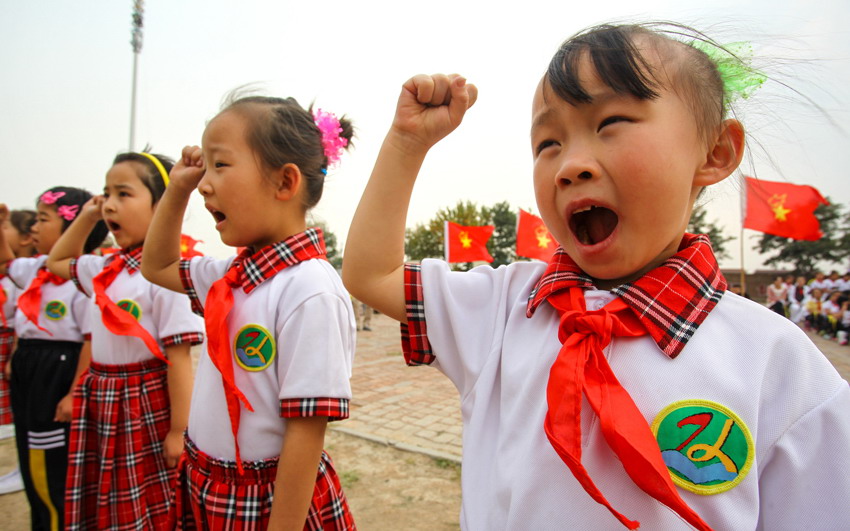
[467,243]
[783,209]
[533,239]
[187,246]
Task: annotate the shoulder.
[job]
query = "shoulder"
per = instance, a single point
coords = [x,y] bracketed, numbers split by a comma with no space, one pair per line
[518,276]
[307,279]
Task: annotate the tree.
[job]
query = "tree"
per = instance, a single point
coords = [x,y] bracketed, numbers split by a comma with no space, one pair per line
[425,240]
[699,225]
[331,247]
[805,256]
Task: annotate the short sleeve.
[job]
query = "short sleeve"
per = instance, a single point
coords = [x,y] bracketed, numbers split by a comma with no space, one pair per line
[466,313]
[21,271]
[83,270]
[804,483]
[315,346]
[82,308]
[198,274]
[175,322]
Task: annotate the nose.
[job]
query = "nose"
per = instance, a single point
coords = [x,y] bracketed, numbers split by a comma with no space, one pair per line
[108,204]
[205,186]
[577,164]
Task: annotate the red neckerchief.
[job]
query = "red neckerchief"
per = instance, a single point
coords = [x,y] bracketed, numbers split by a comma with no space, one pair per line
[685,288]
[3,299]
[114,318]
[30,300]
[247,271]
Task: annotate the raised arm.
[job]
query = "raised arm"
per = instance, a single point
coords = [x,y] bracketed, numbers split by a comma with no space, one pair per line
[429,108]
[72,242]
[161,258]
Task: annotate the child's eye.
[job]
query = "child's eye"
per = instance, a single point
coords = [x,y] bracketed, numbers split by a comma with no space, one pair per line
[220,164]
[124,194]
[611,120]
[543,145]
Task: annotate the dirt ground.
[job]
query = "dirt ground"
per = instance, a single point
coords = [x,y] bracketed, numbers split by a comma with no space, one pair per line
[387,488]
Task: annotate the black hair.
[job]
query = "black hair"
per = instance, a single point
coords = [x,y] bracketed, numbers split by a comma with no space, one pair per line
[149,174]
[23,220]
[281,132]
[615,52]
[71,196]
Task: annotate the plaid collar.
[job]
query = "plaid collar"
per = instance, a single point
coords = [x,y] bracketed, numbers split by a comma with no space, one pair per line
[258,266]
[132,259]
[671,301]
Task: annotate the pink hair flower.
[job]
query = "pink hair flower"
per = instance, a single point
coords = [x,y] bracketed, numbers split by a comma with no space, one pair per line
[68,212]
[48,197]
[328,125]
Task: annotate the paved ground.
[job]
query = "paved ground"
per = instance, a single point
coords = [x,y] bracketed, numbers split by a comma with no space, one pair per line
[417,408]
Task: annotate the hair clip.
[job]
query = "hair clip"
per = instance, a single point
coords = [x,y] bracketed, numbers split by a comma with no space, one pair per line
[328,125]
[68,212]
[48,197]
[733,61]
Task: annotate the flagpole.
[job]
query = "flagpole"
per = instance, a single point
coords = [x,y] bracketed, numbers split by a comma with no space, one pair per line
[136,42]
[446,241]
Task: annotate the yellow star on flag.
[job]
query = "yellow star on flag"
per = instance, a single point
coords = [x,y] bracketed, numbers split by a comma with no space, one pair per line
[465,240]
[542,236]
[777,204]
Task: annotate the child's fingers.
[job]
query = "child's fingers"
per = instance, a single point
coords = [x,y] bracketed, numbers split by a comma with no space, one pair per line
[463,97]
[4,212]
[192,156]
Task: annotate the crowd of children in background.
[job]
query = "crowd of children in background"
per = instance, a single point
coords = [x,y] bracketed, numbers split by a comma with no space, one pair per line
[820,304]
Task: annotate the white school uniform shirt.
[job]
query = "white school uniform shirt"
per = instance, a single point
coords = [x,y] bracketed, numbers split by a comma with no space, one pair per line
[64,310]
[10,305]
[744,357]
[307,313]
[165,314]
[842,285]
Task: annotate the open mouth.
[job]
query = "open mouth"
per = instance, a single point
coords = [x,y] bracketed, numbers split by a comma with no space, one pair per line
[217,216]
[593,224]
[112,226]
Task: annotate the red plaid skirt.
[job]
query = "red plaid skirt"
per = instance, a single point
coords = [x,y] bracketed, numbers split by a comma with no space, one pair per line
[7,339]
[117,477]
[211,495]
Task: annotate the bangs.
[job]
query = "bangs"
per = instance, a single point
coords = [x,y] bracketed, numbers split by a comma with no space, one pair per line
[618,63]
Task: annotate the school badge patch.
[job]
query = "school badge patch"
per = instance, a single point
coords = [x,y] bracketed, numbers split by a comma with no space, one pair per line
[254,348]
[132,307]
[705,445]
[55,310]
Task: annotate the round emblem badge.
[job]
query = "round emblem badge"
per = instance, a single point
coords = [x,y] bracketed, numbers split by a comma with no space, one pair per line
[254,348]
[55,310]
[130,306]
[705,445]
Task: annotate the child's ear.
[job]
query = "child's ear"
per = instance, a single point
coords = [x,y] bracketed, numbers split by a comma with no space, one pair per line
[725,154]
[287,180]
[25,240]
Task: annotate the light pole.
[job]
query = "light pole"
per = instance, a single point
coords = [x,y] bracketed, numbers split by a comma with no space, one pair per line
[136,42]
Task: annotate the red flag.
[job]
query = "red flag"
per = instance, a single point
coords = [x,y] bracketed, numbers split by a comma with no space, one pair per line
[187,246]
[533,239]
[783,209]
[467,244]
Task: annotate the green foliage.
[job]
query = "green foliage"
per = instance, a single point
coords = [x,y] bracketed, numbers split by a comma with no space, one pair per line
[699,225]
[426,239]
[331,245]
[804,256]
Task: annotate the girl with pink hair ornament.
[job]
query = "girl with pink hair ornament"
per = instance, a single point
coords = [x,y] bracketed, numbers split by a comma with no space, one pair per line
[280,326]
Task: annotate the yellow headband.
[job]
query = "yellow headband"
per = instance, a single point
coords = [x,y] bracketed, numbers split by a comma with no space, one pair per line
[158,165]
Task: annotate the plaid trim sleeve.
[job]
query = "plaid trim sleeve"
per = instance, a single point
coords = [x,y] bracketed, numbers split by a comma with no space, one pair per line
[333,408]
[414,334]
[72,266]
[189,286]
[87,337]
[192,338]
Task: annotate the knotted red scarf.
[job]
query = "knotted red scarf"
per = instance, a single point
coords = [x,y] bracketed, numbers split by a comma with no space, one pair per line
[114,318]
[581,366]
[216,309]
[30,300]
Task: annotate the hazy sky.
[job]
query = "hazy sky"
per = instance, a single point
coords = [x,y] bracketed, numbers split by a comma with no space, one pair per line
[67,66]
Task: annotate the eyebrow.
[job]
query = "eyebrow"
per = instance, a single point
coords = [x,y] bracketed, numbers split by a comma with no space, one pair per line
[119,187]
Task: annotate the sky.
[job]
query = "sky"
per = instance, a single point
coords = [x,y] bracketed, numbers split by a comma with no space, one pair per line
[67,75]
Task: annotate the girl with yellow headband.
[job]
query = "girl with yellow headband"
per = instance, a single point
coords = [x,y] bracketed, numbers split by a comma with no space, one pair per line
[131,407]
